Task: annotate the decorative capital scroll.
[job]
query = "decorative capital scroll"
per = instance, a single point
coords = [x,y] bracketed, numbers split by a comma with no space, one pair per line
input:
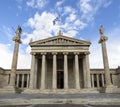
[54,53]
[43,53]
[32,53]
[17,39]
[103,39]
[86,53]
[18,35]
[65,53]
[76,53]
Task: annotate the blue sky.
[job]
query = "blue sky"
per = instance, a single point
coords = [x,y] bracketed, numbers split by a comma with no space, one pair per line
[78,18]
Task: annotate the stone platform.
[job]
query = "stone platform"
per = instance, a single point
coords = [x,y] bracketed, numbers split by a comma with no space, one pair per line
[60,91]
[94,99]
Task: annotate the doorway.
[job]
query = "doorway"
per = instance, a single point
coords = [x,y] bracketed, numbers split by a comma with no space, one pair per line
[60,79]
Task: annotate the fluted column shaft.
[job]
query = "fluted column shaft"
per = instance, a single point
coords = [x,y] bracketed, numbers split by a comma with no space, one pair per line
[102,40]
[77,80]
[65,71]
[97,76]
[92,79]
[106,65]
[87,79]
[14,64]
[22,80]
[28,80]
[32,71]
[43,71]
[17,80]
[15,56]
[54,71]
[103,82]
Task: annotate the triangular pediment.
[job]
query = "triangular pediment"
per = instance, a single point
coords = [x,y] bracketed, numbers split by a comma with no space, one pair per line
[60,40]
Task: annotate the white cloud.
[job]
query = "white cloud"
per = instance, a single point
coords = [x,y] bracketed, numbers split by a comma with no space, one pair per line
[43,26]
[8,31]
[24,61]
[37,3]
[6,55]
[59,3]
[89,8]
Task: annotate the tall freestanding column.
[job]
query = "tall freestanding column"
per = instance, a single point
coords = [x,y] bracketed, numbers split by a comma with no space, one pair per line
[15,56]
[102,40]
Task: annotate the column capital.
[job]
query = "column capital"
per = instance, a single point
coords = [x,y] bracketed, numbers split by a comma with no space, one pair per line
[54,53]
[65,53]
[43,53]
[86,53]
[33,53]
[76,53]
[103,39]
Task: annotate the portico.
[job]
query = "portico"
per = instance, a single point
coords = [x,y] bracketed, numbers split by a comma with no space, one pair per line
[60,62]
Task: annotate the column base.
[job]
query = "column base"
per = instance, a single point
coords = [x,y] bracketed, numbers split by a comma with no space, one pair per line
[9,89]
[111,89]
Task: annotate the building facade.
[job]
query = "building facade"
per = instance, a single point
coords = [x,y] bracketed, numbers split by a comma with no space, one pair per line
[60,64]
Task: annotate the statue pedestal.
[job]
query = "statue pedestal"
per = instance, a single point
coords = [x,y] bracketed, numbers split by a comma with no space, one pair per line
[111,89]
[8,89]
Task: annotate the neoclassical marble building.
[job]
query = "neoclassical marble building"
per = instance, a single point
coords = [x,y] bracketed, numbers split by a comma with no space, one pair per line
[60,64]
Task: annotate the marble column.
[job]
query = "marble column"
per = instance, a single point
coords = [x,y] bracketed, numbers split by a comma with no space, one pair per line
[102,40]
[17,80]
[15,56]
[86,70]
[54,82]
[97,76]
[43,71]
[28,80]
[103,82]
[65,71]
[22,80]
[35,73]
[32,74]
[77,80]
[92,77]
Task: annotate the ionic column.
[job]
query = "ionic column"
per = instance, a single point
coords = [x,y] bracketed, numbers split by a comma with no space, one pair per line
[102,40]
[86,71]
[28,80]
[22,80]
[103,82]
[15,56]
[35,73]
[43,71]
[65,71]
[92,77]
[77,80]
[97,76]
[54,71]
[17,80]
[32,74]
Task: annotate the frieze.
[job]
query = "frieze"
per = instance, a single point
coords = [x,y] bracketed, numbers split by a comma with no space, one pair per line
[60,48]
